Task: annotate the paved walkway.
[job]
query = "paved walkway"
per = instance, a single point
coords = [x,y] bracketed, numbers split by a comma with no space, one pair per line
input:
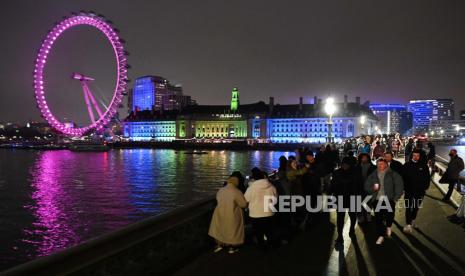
[437,248]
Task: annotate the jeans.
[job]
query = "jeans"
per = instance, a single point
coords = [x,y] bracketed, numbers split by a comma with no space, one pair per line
[263,227]
[412,204]
[383,217]
[451,188]
[340,221]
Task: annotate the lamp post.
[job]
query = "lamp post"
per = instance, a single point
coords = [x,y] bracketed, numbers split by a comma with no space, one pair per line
[330,108]
[363,120]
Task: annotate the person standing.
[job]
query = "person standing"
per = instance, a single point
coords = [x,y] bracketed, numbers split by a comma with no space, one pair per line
[452,173]
[431,156]
[378,150]
[396,146]
[259,211]
[387,187]
[392,163]
[408,149]
[416,181]
[344,186]
[364,168]
[227,224]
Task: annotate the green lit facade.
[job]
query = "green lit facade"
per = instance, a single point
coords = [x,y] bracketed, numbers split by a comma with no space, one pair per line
[235,100]
[298,123]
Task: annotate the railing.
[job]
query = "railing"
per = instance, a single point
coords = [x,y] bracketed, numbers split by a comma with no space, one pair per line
[152,246]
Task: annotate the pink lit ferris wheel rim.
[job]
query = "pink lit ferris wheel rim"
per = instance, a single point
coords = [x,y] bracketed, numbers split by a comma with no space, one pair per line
[39,83]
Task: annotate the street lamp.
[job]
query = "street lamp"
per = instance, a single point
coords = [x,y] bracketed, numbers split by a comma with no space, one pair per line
[330,108]
[363,120]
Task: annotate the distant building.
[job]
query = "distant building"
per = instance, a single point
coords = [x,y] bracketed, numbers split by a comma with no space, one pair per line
[447,128]
[423,112]
[406,123]
[446,109]
[298,123]
[157,93]
[390,116]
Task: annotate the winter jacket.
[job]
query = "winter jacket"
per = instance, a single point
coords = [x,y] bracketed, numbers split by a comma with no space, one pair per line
[417,178]
[227,224]
[255,196]
[393,184]
[454,168]
[345,183]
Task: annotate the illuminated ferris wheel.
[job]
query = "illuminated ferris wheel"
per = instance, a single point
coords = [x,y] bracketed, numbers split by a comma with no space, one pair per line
[100,115]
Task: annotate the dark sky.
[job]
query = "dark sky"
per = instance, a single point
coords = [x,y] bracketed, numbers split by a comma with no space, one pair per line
[383,51]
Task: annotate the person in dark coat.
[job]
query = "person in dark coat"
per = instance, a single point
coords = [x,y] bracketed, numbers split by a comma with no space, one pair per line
[363,169]
[431,156]
[452,173]
[352,159]
[344,184]
[392,163]
[417,178]
[423,157]
[408,149]
[311,184]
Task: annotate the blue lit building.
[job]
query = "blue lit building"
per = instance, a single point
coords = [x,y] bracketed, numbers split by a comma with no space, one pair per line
[143,94]
[261,122]
[157,93]
[392,117]
[423,112]
[151,130]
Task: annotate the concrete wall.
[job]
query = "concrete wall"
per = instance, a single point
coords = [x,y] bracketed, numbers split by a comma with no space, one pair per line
[154,246]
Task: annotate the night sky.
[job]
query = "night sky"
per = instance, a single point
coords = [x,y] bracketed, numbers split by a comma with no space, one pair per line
[383,51]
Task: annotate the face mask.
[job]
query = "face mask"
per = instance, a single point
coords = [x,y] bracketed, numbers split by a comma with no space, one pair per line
[451,155]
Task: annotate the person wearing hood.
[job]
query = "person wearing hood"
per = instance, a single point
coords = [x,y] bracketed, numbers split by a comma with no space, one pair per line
[260,213]
[227,224]
[384,184]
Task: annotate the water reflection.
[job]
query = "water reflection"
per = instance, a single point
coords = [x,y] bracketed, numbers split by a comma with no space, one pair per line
[71,197]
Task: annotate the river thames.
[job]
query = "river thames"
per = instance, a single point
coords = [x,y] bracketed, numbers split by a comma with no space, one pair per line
[50,200]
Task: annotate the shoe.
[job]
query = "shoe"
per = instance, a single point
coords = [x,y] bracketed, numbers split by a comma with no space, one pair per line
[233,250]
[218,249]
[388,231]
[408,229]
[380,240]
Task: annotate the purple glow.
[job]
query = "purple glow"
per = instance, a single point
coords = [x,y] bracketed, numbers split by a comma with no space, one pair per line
[112,36]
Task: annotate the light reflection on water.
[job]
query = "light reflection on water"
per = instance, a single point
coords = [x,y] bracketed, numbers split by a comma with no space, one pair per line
[51,200]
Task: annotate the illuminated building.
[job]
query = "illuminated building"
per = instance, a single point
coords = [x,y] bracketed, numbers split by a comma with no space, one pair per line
[294,123]
[390,117]
[157,93]
[235,99]
[446,109]
[449,128]
[424,112]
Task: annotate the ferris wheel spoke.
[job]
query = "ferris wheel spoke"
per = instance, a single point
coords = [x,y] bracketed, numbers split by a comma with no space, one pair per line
[89,108]
[94,102]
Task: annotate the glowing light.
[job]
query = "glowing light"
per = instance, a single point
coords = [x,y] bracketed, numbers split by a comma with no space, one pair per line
[330,108]
[112,36]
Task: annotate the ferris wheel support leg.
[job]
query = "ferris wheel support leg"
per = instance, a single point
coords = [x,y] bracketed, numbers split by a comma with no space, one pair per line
[89,108]
[92,99]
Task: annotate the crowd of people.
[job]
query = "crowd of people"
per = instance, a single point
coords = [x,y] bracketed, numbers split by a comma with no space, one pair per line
[363,166]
